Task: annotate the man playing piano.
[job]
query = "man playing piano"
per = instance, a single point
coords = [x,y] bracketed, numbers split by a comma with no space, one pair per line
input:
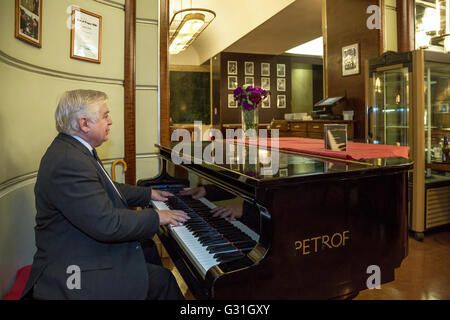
[88,241]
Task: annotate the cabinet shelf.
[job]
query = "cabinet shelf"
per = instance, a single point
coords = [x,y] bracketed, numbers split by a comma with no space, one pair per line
[397,127]
[440,166]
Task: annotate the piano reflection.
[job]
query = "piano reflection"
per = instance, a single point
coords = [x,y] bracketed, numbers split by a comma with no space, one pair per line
[312,229]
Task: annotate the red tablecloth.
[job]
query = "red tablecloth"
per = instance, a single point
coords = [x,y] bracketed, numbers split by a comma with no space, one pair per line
[355,150]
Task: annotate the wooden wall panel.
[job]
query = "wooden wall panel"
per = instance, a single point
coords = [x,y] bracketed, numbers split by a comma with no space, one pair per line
[130,91]
[164,87]
[346,25]
[405,25]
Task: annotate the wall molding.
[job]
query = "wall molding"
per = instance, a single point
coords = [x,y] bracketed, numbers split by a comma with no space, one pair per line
[17,183]
[151,87]
[23,65]
[147,21]
[121,6]
[25,179]
[111,3]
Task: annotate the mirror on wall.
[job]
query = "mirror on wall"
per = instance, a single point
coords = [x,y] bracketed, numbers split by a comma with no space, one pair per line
[199,91]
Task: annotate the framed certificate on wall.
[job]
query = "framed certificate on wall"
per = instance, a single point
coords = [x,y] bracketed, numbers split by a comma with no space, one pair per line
[86,36]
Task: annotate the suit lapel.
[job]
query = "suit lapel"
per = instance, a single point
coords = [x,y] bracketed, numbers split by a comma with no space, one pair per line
[106,182]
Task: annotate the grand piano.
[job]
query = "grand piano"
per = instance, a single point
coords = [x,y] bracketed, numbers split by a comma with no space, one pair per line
[313,229]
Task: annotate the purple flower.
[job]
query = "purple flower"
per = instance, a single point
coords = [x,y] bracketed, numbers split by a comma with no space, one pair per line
[255,97]
[248,97]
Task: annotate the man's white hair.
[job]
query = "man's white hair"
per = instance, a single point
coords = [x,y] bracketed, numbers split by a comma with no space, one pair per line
[77,104]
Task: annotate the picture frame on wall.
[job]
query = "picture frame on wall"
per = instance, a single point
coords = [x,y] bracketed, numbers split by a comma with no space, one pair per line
[281,84]
[265,69]
[350,60]
[281,70]
[232,82]
[249,68]
[231,102]
[232,67]
[250,81]
[281,101]
[265,83]
[266,102]
[86,36]
[28,24]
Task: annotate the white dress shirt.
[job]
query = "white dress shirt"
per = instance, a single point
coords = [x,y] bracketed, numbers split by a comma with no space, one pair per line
[87,145]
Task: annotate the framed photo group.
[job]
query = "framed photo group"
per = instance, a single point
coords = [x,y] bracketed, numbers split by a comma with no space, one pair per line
[281,85]
[249,79]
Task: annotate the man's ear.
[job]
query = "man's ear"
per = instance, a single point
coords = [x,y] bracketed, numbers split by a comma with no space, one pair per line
[83,123]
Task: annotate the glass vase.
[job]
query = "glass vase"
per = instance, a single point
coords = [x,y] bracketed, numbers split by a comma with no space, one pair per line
[250,122]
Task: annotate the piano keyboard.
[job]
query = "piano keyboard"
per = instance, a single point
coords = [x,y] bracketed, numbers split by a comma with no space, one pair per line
[207,240]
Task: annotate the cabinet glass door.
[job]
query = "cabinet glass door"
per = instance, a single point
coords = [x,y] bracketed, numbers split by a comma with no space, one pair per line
[437,109]
[390,118]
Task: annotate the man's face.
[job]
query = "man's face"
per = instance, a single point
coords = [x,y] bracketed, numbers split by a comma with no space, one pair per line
[98,131]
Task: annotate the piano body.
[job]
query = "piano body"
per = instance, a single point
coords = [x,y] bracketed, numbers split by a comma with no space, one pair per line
[319,227]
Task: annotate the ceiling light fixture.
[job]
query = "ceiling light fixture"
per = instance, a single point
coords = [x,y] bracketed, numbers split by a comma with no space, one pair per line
[185,27]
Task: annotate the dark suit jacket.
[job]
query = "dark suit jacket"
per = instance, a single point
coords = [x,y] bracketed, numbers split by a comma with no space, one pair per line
[82,221]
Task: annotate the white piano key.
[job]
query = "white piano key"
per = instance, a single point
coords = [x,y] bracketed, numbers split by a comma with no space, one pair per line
[201,258]
[159,205]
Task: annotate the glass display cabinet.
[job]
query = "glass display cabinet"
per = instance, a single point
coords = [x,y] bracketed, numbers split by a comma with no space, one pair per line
[408,104]
[388,115]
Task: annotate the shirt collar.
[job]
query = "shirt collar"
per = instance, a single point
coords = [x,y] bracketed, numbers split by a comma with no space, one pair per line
[87,145]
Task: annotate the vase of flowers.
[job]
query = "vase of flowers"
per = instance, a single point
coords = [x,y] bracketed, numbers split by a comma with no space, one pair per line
[248,98]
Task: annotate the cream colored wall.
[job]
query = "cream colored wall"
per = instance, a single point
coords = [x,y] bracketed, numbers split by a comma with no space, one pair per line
[31,82]
[33,79]
[302,87]
[391,25]
[147,78]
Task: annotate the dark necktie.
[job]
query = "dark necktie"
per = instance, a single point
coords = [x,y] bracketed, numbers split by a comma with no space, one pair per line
[94,153]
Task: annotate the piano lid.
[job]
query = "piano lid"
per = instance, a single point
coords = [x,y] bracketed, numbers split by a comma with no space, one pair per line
[259,165]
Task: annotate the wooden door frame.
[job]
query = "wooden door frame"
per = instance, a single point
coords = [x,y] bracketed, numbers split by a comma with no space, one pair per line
[164,84]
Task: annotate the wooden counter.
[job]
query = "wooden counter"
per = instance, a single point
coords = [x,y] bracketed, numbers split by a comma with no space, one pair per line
[309,128]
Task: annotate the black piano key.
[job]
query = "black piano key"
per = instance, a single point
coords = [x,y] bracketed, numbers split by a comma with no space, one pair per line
[230,252]
[223,257]
[244,244]
[229,259]
[223,249]
[215,243]
[209,237]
